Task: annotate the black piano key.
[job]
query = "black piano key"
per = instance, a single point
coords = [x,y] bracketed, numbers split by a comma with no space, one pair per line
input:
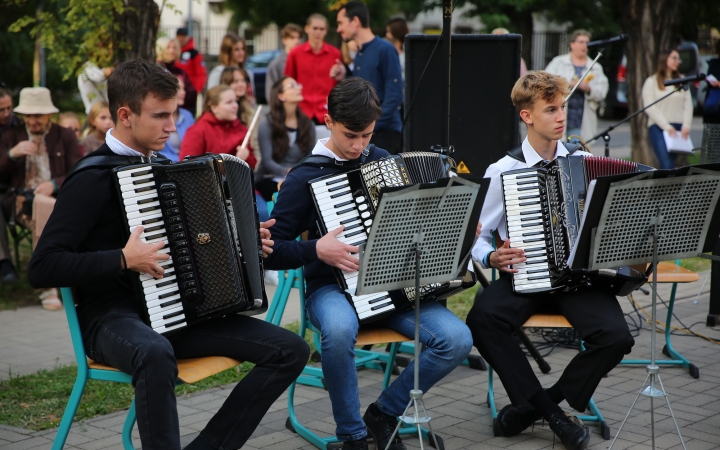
[165,283]
[337,188]
[527,197]
[149,221]
[148,209]
[529,241]
[146,180]
[379,299]
[528,225]
[147,200]
[169,294]
[530,175]
[375,308]
[534,249]
[353,226]
[345,211]
[340,205]
[536,262]
[355,244]
[536,271]
[527,213]
[537,278]
[174,314]
[172,324]
[529,188]
[353,219]
[355,233]
[526,182]
[524,219]
[155,236]
[340,194]
[145,189]
[533,233]
[155,228]
[171,302]
[339,180]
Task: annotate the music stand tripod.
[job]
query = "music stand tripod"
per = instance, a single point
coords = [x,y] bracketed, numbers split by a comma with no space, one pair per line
[658,220]
[420,235]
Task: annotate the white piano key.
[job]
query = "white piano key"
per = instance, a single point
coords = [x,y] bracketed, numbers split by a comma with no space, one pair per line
[163,329]
[134,199]
[151,287]
[159,309]
[162,322]
[529,174]
[156,295]
[137,187]
[369,314]
[135,180]
[139,220]
[528,287]
[144,207]
[154,303]
[129,172]
[328,203]
[525,276]
[158,316]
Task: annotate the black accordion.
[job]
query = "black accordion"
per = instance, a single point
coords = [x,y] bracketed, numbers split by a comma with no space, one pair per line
[350,199]
[543,211]
[204,210]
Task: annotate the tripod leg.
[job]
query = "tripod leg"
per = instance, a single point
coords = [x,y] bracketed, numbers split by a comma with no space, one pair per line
[667,400]
[628,414]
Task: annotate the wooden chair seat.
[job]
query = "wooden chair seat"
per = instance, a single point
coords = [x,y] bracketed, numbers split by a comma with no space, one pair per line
[669,272]
[547,321]
[374,335]
[190,370]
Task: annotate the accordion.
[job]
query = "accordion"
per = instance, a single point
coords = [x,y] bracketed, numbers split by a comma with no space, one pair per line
[350,199]
[543,211]
[204,210]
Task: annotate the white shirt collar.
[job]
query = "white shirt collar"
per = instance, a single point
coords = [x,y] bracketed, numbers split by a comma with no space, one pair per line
[532,157]
[118,147]
[322,150]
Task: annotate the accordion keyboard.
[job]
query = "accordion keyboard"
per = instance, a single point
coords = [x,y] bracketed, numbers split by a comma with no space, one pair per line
[338,207]
[142,203]
[527,222]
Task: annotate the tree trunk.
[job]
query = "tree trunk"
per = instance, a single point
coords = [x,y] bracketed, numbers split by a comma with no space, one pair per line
[523,21]
[651,25]
[138,30]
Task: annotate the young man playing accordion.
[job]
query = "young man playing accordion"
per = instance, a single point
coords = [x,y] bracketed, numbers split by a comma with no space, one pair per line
[498,312]
[353,108]
[83,246]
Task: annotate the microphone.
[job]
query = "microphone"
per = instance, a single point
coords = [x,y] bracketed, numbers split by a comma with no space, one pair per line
[608,41]
[692,79]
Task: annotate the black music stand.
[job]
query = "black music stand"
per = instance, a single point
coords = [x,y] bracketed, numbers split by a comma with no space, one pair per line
[421,234]
[647,218]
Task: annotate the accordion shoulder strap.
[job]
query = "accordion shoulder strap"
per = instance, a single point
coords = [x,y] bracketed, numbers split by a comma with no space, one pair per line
[107,162]
[326,161]
[517,153]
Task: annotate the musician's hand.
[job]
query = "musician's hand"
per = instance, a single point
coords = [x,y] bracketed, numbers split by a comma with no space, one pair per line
[506,256]
[672,132]
[45,188]
[337,254]
[584,86]
[685,132]
[242,152]
[478,230]
[142,257]
[265,235]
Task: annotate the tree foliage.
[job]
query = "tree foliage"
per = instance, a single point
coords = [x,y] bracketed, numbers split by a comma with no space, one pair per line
[260,13]
[73,32]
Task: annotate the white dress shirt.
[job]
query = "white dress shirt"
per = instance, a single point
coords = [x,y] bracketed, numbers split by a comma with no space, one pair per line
[492,215]
[322,150]
[118,147]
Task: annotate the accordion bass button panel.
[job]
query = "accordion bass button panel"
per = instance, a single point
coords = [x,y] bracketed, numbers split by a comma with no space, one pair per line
[526,227]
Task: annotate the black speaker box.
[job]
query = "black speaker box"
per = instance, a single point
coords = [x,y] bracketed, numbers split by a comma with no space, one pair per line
[483,121]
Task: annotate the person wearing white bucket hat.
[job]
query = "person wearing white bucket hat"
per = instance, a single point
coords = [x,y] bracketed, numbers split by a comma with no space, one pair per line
[34,158]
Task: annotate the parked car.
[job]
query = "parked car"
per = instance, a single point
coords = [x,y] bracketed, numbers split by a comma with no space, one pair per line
[616,102]
[258,64]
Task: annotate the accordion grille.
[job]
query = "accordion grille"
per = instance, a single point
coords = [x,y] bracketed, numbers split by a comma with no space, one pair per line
[205,213]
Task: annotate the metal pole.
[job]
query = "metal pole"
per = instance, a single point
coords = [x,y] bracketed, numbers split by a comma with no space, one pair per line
[190,20]
[447,30]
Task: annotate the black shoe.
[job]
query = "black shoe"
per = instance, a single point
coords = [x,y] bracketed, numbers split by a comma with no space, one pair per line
[571,431]
[8,275]
[513,420]
[381,427]
[360,444]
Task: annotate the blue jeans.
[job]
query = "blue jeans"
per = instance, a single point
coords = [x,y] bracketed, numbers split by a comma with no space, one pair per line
[666,160]
[447,339]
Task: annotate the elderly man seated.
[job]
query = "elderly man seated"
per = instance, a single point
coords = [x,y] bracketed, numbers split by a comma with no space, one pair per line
[34,158]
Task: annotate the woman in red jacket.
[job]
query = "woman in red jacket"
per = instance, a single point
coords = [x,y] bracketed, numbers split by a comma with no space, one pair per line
[218,130]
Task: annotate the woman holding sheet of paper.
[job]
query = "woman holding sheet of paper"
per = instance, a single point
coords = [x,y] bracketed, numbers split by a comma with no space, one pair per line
[670,115]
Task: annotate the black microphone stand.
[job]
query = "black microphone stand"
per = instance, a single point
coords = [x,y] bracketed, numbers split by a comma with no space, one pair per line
[605,134]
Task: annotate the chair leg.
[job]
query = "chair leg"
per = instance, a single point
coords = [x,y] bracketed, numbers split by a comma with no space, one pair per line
[295,426]
[70,410]
[128,427]
[491,393]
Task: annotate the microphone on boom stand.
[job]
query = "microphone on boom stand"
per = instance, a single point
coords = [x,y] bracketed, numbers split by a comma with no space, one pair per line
[608,41]
[685,80]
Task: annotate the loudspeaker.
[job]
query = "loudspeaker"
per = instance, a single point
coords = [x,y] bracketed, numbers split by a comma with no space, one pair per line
[483,120]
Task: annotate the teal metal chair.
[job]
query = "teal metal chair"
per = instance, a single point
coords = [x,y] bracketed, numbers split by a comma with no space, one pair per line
[671,273]
[18,235]
[550,321]
[313,376]
[189,371]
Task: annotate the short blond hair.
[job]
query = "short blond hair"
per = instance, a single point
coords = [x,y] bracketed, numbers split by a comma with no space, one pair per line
[577,33]
[536,85]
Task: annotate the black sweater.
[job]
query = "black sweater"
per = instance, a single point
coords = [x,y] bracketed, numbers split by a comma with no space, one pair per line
[295,213]
[80,245]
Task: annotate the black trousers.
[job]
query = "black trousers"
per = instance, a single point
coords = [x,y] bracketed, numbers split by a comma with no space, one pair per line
[388,140]
[594,313]
[122,340]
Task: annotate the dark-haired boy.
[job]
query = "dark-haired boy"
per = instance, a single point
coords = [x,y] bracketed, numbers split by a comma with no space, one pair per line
[498,312]
[83,246]
[353,108]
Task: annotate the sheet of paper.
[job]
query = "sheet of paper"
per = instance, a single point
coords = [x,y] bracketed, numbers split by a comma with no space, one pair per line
[711,78]
[677,143]
[588,199]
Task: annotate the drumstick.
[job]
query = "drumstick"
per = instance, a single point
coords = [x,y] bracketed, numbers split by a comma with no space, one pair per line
[252,126]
